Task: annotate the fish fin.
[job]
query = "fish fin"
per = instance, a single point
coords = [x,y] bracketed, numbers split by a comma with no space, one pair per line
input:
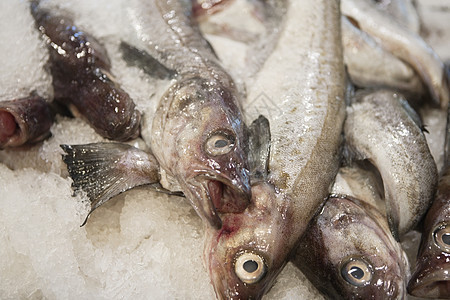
[141,59]
[259,148]
[104,170]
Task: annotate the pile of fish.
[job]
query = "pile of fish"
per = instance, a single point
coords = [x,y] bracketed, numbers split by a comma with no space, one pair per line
[299,139]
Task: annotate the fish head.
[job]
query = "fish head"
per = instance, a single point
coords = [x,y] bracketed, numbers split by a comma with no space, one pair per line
[244,257]
[350,255]
[211,158]
[431,276]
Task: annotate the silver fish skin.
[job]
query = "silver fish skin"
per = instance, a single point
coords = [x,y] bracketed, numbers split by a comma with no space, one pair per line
[304,76]
[198,135]
[379,128]
[403,11]
[369,65]
[403,43]
[348,252]
[431,276]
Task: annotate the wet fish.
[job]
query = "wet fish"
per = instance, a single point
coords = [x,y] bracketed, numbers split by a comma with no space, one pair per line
[81,77]
[104,170]
[378,128]
[25,120]
[244,257]
[197,135]
[206,7]
[431,276]
[348,252]
[403,43]
[369,65]
[402,11]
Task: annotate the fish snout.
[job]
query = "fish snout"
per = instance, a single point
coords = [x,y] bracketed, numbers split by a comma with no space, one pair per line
[428,282]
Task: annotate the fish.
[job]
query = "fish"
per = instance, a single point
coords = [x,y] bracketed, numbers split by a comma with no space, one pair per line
[430,278]
[401,42]
[24,121]
[348,252]
[82,81]
[197,134]
[402,11]
[370,66]
[104,170]
[307,85]
[382,128]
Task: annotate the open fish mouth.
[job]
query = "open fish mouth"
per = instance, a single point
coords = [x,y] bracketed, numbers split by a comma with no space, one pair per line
[432,284]
[226,196]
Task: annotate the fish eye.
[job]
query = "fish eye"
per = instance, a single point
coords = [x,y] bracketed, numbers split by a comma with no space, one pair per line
[441,236]
[219,143]
[250,267]
[356,272]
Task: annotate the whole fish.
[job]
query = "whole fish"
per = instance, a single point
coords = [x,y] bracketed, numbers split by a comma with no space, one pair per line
[304,81]
[382,128]
[431,276]
[81,77]
[25,120]
[403,43]
[348,252]
[197,135]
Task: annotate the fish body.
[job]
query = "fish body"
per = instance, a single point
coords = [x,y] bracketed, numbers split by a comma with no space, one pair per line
[81,78]
[348,252]
[379,128]
[304,76]
[369,65]
[197,134]
[403,43]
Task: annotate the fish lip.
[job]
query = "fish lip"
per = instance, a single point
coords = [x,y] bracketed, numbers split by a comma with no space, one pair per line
[428,284]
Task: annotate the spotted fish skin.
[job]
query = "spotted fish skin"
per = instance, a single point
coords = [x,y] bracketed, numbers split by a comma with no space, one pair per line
[310,110]
[379,128]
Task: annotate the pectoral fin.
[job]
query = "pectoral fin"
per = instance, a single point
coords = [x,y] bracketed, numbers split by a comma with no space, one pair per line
[104,170]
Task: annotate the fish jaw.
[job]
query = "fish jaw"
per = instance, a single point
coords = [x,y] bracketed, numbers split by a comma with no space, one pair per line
[24,120]
[255,232]
[432,277]
[199,138]
[213,193]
